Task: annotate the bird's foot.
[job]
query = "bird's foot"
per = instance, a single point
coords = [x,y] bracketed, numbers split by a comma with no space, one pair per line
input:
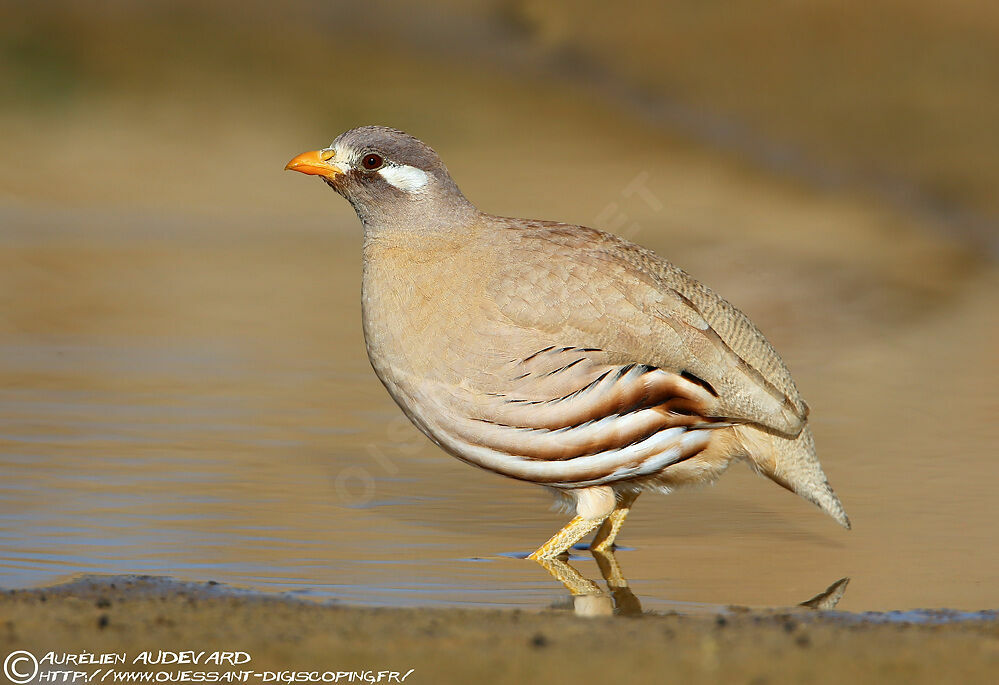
[560,543]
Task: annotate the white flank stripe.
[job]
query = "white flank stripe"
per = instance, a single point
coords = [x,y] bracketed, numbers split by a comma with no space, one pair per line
[652,454]
[405,177]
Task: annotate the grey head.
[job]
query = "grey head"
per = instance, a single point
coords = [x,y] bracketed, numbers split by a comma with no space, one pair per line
[393,180]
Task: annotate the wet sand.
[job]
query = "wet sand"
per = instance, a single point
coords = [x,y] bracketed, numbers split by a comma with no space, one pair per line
[129,614]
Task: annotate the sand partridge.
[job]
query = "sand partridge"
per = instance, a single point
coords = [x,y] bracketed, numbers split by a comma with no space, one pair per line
[558,354]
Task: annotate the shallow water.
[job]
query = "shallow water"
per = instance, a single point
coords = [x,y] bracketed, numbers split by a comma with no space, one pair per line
[202,408]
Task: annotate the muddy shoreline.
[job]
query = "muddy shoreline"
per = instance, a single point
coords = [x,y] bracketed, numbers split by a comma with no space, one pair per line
[283,638]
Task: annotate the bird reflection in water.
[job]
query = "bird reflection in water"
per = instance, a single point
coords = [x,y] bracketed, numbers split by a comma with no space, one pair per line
[589,599]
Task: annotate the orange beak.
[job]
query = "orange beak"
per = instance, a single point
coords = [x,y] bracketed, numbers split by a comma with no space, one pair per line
[315,163]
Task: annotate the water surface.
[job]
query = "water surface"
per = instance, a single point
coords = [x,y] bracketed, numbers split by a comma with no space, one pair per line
[183,404]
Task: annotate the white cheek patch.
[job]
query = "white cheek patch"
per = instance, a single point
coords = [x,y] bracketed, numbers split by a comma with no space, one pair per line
[337,160]
[404,177]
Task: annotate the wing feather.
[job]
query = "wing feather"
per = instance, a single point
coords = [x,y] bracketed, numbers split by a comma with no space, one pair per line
[650,305]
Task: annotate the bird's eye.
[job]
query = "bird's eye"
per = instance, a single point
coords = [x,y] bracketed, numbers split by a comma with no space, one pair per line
[372,161]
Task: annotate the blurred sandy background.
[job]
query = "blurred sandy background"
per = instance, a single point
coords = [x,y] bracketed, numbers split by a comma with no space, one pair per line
[180,351]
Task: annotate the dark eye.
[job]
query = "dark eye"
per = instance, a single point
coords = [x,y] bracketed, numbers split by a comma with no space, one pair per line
[372,161]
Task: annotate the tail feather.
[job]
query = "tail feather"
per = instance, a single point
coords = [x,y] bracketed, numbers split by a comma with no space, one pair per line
[792,464]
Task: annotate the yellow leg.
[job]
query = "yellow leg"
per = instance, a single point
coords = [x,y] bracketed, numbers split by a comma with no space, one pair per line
[566,538]
[588,598]
[604,539]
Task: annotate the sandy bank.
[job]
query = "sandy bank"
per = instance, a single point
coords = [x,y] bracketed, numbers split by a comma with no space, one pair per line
[278,633]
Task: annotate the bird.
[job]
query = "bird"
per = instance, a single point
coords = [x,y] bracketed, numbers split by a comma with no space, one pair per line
[558,354]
